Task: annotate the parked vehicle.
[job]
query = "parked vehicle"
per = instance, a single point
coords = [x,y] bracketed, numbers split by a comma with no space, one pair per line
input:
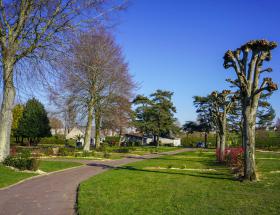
[200,145]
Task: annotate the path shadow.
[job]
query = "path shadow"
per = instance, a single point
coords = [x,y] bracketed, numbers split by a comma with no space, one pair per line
[137,157]
[210,175]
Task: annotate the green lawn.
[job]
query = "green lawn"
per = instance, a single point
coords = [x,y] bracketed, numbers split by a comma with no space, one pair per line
[198,186]
[51,166]
[113,152]
[9,176]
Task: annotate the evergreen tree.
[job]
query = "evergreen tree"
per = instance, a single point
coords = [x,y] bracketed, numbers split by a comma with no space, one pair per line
[34,123]
[155,115]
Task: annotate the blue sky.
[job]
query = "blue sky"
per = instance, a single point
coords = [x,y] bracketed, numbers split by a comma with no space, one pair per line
[178,45]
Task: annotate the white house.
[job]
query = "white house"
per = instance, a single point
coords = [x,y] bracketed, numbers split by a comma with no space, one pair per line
[165,141]
[74,133]
[60,131]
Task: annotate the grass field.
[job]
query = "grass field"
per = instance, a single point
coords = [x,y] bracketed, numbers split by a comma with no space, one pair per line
[186,183]
[115,152]
[51,166]
[9,176]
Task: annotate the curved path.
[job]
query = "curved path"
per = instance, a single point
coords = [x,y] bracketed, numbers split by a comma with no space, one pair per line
[55,194]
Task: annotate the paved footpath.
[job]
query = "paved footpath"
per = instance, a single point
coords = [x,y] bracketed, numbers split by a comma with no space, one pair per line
[55,194]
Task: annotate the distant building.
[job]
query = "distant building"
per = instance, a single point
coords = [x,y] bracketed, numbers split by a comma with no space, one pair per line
[136,137]
[165,141]
[74,133]
[80,131]
[60,131]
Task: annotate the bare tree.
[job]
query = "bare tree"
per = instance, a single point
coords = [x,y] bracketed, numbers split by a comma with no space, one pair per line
[117,115]
[31,31]
[115,103]
[55,124]
[247,61]
[93,75]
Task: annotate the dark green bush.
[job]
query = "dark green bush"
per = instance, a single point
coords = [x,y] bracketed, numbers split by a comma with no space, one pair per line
[106,155]
[54,140]
[22,161]
[122,150]
[112,140]
[103,147]
[70,143]
[133,143]
[267,139]
[86,154]
[66,151]
[48,151]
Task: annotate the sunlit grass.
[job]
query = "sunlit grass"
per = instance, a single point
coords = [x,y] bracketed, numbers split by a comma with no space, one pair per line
[140,188]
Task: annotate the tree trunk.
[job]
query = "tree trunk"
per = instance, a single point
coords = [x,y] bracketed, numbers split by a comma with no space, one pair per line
[88,129]
[120,140]
[223,146]
[157,140]
[218,140]
[6,116]
[97,129]
[205,139]
[249,143]
[223,137]
[218,145]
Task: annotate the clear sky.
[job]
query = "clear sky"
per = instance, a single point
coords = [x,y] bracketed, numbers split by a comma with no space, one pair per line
[178,45]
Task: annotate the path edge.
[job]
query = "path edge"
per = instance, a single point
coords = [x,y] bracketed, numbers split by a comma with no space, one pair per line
[38,176]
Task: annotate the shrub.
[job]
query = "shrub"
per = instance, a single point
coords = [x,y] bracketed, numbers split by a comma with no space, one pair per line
[268,140]
[106,155]
[103,147]
[86,154]
[54,140]
[66,151]
[114,140]
[70,143]
[22,161]
[48,151]
[122,150]
[232,155]
[133,143]
[13,150]
[234,158]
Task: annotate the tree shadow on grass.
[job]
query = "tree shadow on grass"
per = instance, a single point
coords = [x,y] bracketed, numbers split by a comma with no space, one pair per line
[210,175]
[182,158]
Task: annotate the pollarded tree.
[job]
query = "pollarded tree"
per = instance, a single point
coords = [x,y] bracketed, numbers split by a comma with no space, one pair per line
[220,105]
[31,32]
[247,61]
[265,114]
